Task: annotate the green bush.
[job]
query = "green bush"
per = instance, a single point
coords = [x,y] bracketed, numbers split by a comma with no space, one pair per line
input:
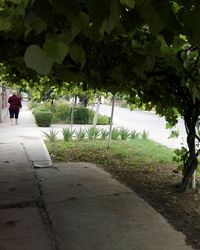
[33,104]
[40,107]
[102,120]
[81,115]
[91,116]
[43,118]
[62,111]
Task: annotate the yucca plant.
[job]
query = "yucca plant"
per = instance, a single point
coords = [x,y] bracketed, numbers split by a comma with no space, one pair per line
[92,133]
[97,132]
[145,135]
[104,134]
[51,136]
[115,133]
[124,133]
[134,134]
[68,133]
[80,135]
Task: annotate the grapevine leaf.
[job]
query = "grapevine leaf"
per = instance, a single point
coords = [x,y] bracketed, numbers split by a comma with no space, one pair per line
[36,59]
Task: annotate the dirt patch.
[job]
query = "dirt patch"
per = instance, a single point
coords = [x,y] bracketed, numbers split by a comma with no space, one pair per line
[158,188]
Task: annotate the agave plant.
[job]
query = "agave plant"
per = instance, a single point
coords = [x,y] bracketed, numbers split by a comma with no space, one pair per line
[145,134]
[80,135]
[104,134]
[93,133]
[115,133]
[68,133]
[90,133]
[97,132]
[134,134]
[51,136]
[124,133]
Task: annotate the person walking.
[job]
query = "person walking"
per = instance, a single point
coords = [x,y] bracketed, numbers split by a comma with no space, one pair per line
[15,105]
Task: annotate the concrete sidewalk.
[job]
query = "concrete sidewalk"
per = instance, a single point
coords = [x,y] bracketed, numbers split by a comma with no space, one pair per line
[72,206]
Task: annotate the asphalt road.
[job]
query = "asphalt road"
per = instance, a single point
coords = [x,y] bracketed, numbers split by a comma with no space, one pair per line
[148,121]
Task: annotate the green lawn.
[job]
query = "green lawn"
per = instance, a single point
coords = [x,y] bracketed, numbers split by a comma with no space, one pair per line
[135,153]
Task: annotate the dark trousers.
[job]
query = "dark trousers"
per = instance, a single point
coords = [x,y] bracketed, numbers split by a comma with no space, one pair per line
[14,113]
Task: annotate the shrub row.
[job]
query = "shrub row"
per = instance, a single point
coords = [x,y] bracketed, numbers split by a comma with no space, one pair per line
[62,113]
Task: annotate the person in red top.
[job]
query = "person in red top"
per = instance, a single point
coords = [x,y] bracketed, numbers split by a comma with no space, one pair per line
[15,105]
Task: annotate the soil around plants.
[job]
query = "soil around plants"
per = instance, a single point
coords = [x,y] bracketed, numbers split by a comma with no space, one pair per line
[158,188]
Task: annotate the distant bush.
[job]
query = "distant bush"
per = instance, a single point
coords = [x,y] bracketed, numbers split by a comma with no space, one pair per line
[33,104]
[81,115]
[43,118]
[102,120]
[62,113]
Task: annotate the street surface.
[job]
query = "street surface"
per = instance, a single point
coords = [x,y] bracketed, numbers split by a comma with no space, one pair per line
[148,121]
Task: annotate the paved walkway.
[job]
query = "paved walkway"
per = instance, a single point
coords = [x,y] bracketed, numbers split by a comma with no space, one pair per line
[71,206]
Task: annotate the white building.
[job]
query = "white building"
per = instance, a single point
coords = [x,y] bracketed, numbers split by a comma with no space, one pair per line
[5,92]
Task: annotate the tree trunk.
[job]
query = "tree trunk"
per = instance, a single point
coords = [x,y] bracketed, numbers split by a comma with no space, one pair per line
[193,182]
[72,113]
[75,100]
[191,163]
[111,122]
[96,112]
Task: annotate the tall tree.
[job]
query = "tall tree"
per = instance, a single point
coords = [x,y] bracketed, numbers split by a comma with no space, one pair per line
[149,48]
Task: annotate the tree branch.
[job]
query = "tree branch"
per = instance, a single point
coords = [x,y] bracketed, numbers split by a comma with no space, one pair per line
[182,62]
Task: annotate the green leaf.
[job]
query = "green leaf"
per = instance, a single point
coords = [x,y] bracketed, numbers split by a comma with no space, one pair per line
[44,10]
[99,11]
[191,21]
[174,134]
[68,76]
[168,125]
[19,2]
[129,3]
[81,22]
[153,19]
[175,7]
[68,8]
[36,59]
[77,54]
[109,24]
[56,48]
[5,24]
[35,23]
[15,1]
